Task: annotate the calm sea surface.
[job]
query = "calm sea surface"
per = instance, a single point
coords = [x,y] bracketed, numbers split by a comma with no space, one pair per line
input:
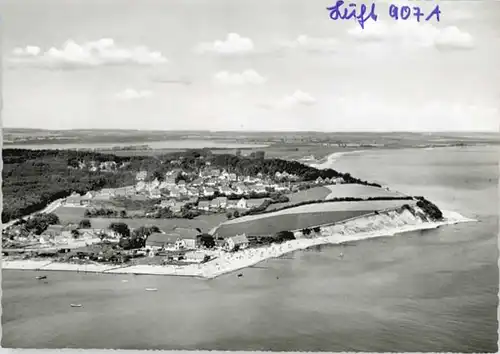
[433,290]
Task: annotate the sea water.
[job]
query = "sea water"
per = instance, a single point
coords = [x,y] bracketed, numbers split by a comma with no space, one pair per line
[428,290]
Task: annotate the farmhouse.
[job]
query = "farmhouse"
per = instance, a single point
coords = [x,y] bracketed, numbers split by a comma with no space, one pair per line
[73,200]
[53,231]
[236,242]
[178,239]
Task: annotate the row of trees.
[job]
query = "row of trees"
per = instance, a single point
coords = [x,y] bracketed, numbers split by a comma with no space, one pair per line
[38,223]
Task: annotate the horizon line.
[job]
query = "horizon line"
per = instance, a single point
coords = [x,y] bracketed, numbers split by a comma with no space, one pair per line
[252,131]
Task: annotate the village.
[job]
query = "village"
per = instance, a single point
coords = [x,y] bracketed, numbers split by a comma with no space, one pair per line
[177,195]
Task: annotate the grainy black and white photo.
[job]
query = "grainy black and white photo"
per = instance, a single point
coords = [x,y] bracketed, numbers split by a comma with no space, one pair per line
[245,175]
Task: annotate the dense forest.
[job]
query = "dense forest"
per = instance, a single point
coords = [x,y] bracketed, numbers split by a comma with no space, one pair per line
[34,178]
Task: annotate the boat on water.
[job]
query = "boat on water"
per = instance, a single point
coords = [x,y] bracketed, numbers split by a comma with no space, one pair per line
[41,277]
[75,305]
[151,289]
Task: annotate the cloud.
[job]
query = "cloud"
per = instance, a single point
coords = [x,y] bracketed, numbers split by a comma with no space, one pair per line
[246,77]
[131,94]
[414,33]
[90,54]
[312,44]
[296,99]
[29,51]
[233,44]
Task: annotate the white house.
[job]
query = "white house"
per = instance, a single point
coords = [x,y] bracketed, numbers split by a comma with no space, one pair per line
[226,190]
[155,184]
[208,192]
[204,205]
[168,203]
[242,204]
[155,194]
[238,241]
[140,186]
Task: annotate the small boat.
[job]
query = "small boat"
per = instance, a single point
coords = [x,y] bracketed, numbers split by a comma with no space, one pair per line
[76,305]
[341,255]
[41,277]
[124,281]
[240,275]
[151,289]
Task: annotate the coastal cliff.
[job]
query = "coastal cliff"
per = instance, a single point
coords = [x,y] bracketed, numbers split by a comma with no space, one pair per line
[378,224]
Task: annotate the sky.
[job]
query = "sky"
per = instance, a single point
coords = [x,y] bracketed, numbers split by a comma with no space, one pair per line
[279,65]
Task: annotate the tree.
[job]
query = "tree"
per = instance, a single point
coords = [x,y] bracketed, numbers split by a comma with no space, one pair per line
[206,240]
[284,236]
[123,214]
[158,175]
[84,224]
[229,215]
[120,228]
[38,223]
[236,214]
[75,234]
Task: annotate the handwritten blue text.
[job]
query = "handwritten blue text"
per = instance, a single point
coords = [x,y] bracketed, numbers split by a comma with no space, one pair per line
[365,13]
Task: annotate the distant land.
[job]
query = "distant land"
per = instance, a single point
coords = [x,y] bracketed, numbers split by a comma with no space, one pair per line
[39,136]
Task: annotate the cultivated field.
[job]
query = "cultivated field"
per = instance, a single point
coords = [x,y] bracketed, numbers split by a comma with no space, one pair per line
[359,191]
[303,216]
[315,193]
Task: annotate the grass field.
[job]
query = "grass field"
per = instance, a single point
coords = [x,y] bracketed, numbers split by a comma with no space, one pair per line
[303,216]
[315,193]
[359,191]
[204,222]
[69,215]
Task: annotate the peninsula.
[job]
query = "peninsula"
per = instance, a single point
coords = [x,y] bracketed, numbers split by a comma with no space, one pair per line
[194,213]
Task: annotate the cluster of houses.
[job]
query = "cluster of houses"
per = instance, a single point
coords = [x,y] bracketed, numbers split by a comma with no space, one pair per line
[214,186]
[94,166]
[187,239]
[60,237]
[337,180]
[208,182]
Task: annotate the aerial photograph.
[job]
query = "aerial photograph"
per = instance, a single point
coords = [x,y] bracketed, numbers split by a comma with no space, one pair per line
[250,176]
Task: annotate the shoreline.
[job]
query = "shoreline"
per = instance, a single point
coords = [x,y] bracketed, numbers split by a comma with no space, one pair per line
[228,263]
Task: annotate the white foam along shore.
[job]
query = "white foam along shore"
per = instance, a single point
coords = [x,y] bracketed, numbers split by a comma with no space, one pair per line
[384,224]
[330,159]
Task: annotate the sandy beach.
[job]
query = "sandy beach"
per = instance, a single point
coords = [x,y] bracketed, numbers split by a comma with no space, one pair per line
[387,224]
